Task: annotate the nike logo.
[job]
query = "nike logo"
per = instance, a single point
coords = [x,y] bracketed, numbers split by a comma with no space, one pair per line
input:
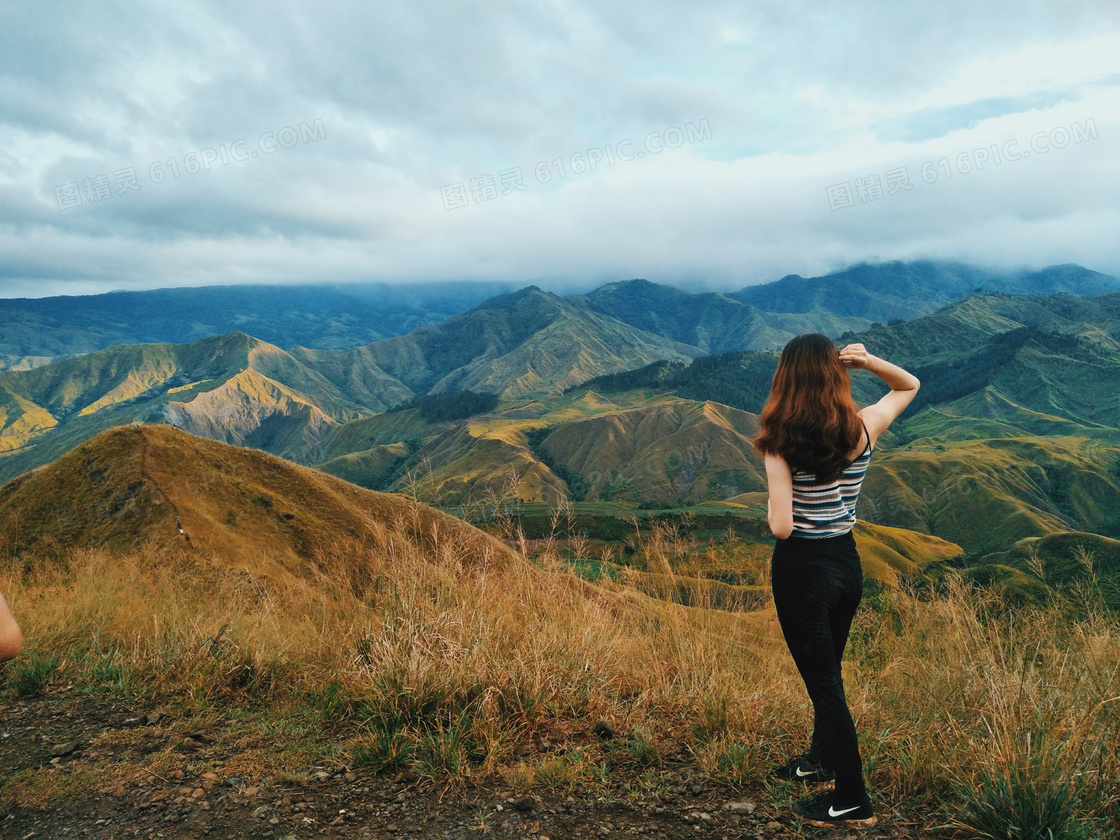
[810,773]
[832,812]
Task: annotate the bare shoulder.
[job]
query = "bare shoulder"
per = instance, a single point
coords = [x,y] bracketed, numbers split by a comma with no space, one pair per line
[776,467]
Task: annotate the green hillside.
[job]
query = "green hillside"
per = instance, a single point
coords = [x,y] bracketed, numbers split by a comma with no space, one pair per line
[907,290]
[986,494]
[672,451]
[713,323]
[527,342]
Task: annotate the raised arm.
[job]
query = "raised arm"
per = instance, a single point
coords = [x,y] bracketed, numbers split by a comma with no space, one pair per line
[11,639]
[904,387]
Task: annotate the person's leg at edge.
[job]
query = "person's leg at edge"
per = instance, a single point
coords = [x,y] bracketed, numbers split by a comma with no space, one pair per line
[814,604]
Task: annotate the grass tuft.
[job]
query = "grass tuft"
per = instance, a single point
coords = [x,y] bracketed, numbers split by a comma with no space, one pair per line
[30,675]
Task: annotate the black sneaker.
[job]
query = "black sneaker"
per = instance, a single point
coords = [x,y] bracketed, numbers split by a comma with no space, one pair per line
[823,811]
[801,769]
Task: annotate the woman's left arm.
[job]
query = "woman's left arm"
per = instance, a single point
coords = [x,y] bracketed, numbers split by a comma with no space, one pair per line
[779,507]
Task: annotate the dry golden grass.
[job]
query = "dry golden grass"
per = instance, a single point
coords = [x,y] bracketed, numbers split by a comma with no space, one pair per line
[408,651]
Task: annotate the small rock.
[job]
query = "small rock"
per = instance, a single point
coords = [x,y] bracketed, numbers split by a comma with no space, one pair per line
[152,718]
[61,750]
[262,812]
[603,730]
[274,821]
[210,777]
[739,807]
[697,790]
[522,805]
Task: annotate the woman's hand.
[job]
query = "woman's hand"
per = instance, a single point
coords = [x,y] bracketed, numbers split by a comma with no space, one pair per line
[855,356]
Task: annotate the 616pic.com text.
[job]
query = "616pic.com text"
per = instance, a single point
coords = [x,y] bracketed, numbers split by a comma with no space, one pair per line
[98,188]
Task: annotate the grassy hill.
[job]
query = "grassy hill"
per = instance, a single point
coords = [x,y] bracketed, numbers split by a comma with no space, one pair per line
[367,634]
[641,447]
[127,490]
[673,451]
[1073,562]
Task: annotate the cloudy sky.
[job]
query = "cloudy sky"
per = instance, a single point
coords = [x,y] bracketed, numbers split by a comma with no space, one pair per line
[560,143]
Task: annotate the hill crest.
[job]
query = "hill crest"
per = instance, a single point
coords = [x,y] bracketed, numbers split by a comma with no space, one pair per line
[130,488]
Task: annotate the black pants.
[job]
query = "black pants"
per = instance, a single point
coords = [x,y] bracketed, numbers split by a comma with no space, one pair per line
[817,588]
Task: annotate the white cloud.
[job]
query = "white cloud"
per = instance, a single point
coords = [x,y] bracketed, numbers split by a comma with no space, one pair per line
[416,96]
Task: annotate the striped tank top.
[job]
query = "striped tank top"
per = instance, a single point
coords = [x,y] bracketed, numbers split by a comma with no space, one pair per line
[828,509]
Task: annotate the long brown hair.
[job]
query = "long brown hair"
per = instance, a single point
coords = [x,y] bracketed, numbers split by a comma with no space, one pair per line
[810,418]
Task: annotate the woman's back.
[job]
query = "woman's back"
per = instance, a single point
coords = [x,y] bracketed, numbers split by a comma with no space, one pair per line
[828,508]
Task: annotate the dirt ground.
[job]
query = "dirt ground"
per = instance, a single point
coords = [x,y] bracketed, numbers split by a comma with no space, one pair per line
[90,760]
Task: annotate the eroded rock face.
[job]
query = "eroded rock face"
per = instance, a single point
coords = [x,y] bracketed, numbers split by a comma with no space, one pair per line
[250,409]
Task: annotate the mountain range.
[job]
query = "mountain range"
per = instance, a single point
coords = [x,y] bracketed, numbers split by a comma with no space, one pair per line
[1016,432]
[612,397]
[38,331]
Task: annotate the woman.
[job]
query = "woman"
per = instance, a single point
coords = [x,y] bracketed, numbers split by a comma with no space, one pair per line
[816,446]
